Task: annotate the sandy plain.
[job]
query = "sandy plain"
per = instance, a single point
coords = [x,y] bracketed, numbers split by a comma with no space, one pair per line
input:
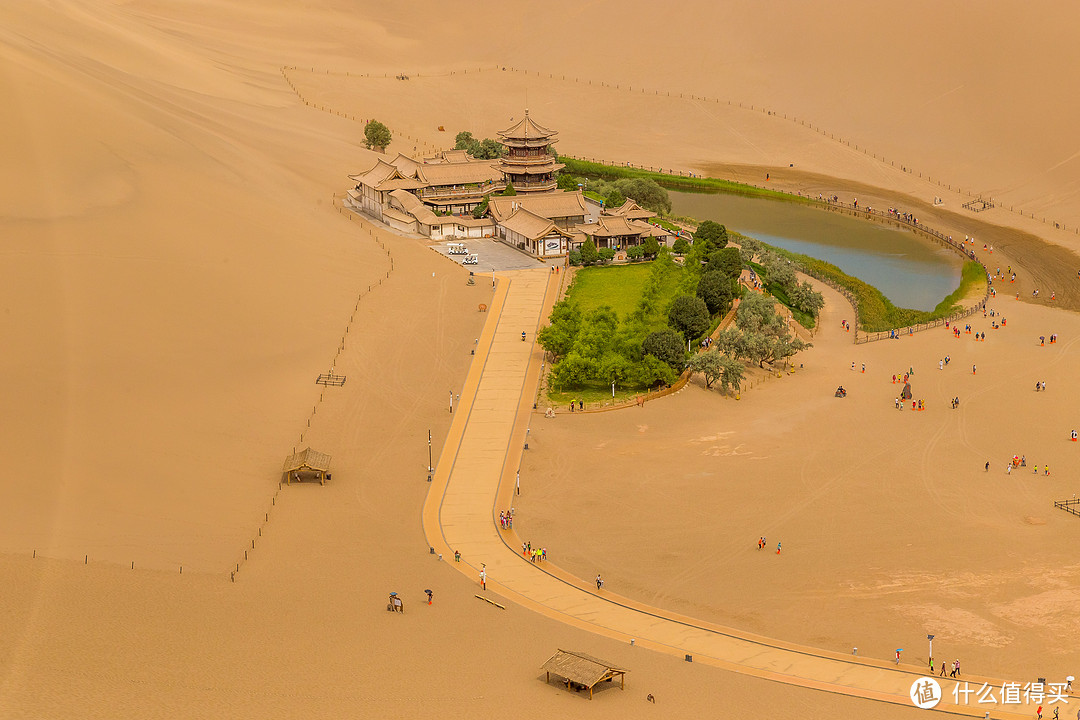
[176,274]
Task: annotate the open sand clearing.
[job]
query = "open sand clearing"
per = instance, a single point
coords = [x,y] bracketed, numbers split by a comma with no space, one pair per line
[176,275]
[890,526]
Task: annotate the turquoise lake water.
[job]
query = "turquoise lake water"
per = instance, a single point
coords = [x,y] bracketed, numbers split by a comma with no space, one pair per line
[912,272]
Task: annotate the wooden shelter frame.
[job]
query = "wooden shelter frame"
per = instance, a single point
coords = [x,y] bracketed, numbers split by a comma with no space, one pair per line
[583,670]
[307,459]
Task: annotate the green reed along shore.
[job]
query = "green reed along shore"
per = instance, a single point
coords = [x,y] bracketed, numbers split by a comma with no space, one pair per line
[674,182]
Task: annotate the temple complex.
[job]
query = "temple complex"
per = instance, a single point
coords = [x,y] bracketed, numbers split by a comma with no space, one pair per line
[436,196]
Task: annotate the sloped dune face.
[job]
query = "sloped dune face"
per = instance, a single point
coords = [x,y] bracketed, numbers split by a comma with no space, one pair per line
[162,215]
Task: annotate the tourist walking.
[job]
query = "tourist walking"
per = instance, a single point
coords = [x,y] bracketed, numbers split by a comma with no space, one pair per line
[599,581]
[483,577]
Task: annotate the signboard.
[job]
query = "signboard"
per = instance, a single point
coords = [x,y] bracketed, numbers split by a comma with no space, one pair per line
[552,245]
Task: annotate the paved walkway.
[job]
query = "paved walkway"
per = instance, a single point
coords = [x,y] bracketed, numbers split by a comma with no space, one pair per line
[475,478]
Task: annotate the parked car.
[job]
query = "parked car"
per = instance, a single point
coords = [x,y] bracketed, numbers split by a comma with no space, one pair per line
[471,260]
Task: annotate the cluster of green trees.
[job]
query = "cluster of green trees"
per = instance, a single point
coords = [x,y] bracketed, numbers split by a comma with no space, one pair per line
[651,344]
[760,334]
[486,149]
[781,281]
[598,347]
[647,193]
[377,136]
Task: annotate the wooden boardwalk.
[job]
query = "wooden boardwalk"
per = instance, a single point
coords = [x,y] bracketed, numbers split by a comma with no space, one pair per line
[475,476]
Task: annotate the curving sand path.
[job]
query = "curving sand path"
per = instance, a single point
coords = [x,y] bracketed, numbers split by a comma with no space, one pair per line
[475,477]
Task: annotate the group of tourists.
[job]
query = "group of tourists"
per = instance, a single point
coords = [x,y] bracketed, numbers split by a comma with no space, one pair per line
[1021,461]
[904,216]
[506,519]
[955,672]
[1042,339]
[579,403]
[533,554]
[761,544]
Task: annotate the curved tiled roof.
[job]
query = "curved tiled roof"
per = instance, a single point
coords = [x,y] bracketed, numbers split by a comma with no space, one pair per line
[527,129]
[549,205]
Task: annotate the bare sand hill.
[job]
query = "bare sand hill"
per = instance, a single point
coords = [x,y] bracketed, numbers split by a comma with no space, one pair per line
[176,276]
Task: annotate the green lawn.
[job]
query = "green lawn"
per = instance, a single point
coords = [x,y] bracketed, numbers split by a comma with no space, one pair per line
[620,287]
[616,285]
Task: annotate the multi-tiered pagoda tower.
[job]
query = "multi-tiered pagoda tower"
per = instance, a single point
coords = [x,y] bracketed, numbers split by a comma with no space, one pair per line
[527,164]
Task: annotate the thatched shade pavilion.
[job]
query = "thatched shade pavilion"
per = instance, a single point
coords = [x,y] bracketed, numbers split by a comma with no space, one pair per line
[583,670]
[309,460]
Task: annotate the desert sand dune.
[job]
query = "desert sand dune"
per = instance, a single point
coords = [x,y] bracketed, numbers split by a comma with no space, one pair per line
[176,274]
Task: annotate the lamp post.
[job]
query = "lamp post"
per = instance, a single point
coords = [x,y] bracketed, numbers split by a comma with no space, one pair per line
[429,468]
[931,639]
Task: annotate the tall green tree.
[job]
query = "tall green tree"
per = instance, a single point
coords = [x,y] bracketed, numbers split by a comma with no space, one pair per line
[780,270]
[765,335]
[589,253]
[614,198]
[805,298]
[666,345]
[689,315]
[481,209]
[377,136]
[651,371]
[715,365]
[717,290]
[713,233]
[731,376]
[708,364]
[559,336]
[566,181]
[651,246]
[490,150]
[463,140]
[646,192]
[727,261]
